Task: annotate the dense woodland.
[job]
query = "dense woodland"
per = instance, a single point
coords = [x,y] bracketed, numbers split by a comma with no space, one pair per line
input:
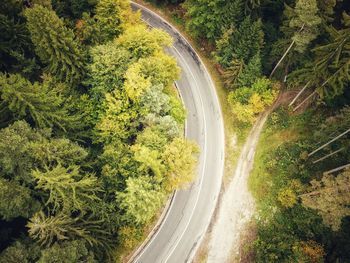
[91,127]
[299,49]
[91,138]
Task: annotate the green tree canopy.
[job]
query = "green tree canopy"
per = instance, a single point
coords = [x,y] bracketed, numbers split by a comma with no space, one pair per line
[16,200]
[142,42]
[330,197]
[42,103]
[141,200]
[180,162]
[55,44]
[67,252]
[67,188]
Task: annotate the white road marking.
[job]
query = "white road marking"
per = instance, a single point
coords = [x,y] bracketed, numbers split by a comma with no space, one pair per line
[219,113]
[204,161]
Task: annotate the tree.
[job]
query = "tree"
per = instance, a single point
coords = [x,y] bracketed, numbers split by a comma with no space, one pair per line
[67,252]
[205,18]
[48,229]
[67,188]
[15,47]
[330,197]
[167,125]
[332,64]
[155,101]
[16,200]
[302,26]
[247,102]
[15,253]
[304,15]
[23,149]
[110,18]
[150,162]
[136,83]
[160,69]
[107,70]
[120,119]
[180,161]
[142,42]
[14,148]
[141,200]
[54,151]
[55,44]
[250,72]
[42,103]
[152,138]
[242,43]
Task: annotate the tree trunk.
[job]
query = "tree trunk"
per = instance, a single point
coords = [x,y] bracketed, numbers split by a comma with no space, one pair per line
[299,93]
[328,155]
[337,169]
[308,97]
[328,143]
[285,53]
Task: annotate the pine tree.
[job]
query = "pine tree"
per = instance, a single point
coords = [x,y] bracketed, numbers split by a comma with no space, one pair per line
[23,149]
[332,65]
[48,229]
[55,44]
[42,103]
[15,47]
[330,197]
[301,26]
[67,188]
[304,22]
[110,18]
[14,148]
[243,43]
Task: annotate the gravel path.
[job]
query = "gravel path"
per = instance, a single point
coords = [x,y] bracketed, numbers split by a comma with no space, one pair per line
[237,204]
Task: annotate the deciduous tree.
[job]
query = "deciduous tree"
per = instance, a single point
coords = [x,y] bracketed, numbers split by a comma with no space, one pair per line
[141,200]
[180,162]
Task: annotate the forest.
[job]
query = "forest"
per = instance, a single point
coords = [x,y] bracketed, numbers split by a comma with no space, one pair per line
[91,138]
[294,55]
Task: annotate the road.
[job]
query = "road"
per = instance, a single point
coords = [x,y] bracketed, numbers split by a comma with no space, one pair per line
[191,210]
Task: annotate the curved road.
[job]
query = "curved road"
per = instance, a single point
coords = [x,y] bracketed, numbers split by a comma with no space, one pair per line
[190,212]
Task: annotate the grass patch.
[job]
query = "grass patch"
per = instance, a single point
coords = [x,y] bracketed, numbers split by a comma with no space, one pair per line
[279,128]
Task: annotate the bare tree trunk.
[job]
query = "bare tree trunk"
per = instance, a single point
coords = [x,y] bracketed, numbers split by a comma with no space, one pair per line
[285,53]
[328,155]
[308,97]
[282,58]
[299,93]
[328,143]
[337,169]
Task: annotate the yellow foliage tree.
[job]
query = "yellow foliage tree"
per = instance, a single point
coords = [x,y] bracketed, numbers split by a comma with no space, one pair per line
[180,161]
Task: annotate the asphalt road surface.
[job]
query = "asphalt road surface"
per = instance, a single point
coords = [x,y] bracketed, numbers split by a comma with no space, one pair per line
[190,212]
